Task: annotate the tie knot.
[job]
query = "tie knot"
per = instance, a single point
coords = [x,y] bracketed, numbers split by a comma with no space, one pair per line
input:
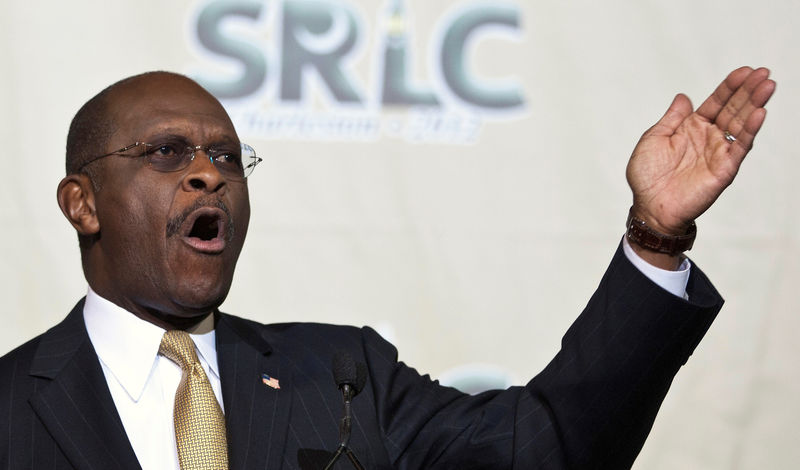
[178,347]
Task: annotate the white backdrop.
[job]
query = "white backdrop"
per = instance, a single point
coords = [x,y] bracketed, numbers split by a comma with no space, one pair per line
[477,250]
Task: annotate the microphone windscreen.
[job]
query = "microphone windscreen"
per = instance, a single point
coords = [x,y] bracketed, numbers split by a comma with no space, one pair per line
[344,369]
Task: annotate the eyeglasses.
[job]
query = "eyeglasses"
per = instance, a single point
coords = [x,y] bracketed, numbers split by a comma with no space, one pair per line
[233,162]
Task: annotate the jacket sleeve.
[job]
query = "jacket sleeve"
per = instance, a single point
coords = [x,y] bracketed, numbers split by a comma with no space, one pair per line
[591,407]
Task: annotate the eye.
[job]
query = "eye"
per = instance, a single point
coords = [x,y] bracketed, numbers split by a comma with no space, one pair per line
[168,156]
[165,150]
[227,157]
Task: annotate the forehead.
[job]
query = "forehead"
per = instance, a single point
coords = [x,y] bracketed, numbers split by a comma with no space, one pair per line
[168,104]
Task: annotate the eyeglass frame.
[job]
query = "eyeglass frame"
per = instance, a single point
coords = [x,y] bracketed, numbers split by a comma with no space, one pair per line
[194,149]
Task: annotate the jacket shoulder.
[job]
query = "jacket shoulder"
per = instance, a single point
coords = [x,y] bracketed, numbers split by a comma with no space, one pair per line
[17,362]
[313,337]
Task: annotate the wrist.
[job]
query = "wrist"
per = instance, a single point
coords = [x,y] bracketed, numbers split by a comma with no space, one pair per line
[641,234]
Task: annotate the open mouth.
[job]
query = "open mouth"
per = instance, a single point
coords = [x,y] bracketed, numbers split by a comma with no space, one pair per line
[205,227]
[205,230]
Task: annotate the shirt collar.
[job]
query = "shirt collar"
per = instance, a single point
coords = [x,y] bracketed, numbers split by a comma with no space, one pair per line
[128,346]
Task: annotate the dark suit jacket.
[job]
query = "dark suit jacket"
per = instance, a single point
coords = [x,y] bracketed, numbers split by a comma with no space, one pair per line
[591,407]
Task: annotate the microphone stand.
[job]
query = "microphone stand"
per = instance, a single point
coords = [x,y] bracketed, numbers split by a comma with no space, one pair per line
[344,433]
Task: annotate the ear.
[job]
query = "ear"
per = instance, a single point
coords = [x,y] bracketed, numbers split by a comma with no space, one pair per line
[76,199]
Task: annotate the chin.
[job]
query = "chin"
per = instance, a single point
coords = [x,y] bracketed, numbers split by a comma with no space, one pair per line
[200,298]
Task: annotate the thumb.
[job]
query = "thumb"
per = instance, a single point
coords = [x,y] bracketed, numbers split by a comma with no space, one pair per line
[678,111]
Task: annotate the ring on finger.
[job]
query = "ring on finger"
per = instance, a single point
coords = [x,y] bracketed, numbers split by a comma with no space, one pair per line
[729,137]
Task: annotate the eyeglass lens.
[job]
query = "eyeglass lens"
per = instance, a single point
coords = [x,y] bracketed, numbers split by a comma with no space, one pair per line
[236,162]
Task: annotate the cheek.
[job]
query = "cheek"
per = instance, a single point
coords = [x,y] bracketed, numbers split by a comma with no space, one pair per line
[244,221]
[242,213]
[134,224]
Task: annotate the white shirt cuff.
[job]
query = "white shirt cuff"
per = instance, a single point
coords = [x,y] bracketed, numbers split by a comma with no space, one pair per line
[673,282]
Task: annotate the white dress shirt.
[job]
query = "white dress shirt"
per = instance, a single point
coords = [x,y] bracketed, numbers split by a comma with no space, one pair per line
[673,282]
[143,384]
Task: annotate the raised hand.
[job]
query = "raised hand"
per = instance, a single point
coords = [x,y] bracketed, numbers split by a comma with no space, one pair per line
[684,162]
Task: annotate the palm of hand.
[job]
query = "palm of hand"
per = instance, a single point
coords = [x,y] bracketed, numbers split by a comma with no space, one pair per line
[682,164]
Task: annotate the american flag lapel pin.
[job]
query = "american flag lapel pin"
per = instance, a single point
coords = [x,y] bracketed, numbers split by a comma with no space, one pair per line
[270,381]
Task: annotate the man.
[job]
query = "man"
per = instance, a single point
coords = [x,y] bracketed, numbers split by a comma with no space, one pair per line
[156,190]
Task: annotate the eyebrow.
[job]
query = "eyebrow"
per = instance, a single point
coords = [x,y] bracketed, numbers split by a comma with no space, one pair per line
[161,136]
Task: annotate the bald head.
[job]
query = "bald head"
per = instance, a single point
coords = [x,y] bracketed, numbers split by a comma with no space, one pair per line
[97,120]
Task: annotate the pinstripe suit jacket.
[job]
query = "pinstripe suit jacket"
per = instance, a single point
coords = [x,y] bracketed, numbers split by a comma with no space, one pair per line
[591,407]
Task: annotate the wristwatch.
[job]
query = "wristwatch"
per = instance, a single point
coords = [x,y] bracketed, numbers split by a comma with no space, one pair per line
[638,232]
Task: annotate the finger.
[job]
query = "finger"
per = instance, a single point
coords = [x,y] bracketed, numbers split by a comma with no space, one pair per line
[746,124]
[677,112]
[744,142]
[753,94]
[714,103]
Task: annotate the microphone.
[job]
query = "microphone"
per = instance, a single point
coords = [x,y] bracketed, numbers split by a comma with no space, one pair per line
[350,377]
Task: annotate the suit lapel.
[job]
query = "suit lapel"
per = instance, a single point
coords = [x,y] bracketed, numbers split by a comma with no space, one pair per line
[74,404]
[256,414]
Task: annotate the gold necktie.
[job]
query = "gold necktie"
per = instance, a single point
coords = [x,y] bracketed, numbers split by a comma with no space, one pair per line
[199,422]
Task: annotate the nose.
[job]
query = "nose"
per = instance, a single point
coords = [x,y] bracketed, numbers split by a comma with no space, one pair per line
[202,175]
